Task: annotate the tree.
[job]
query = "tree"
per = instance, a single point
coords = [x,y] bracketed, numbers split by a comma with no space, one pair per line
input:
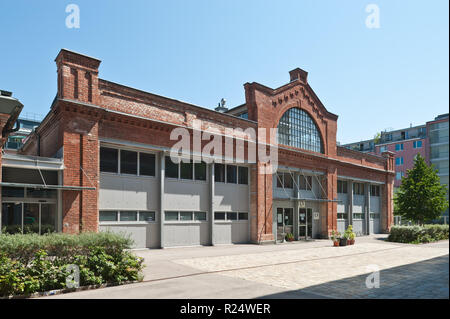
[421,197]
[377,138]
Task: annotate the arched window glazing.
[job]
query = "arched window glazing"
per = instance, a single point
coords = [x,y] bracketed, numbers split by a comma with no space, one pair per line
[296,128]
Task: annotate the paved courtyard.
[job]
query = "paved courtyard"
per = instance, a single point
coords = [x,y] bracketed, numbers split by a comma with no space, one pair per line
[291,270]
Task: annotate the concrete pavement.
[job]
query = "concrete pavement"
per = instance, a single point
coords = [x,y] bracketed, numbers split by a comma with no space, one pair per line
[292,270]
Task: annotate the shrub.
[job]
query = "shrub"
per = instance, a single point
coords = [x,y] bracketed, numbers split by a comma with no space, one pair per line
[418,234]
[31,263]
[61,246]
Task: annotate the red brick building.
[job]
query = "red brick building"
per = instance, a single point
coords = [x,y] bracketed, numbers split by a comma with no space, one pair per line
[112,143]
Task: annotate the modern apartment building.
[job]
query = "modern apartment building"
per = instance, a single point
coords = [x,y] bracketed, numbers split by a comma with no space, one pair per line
[431,140]
[101,160]
[25,125]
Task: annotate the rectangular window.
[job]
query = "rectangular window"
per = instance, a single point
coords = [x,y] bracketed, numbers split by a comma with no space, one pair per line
[186,170]
[128,162]
[417,144]
[219,216]
[185,215]
[147,164]
[171,168]
[358,188]
[383,149]
[280,180]
[128,216]
[342,187]
[171,216]
[399,161]
[243,175]
[147,216]
[219,173]
[200,215]
[305,182]
[231,174]
[374,215]
[399,147]
[243,216]
[200,171]
[398,175]
[232,216]
[358,215]
[13,191]
[109,160]
[288,182]
[108,216]
[375,190]
[342,216]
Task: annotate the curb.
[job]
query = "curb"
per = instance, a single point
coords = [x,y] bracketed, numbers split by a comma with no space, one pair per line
[67,290]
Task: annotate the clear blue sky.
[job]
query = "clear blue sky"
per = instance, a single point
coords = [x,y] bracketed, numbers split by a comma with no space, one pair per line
[201,51]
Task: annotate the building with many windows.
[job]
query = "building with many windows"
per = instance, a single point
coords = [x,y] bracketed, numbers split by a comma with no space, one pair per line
[26,124]
[101,160]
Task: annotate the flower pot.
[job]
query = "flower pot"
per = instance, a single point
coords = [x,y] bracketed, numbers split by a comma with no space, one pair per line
[336,244]
[343,242]
[352,241]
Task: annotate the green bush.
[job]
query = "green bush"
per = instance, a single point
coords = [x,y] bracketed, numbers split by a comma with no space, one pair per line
[31,263]
[418,234]
[62,246]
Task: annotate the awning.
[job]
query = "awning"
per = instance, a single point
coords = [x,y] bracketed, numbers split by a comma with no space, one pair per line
[63,187]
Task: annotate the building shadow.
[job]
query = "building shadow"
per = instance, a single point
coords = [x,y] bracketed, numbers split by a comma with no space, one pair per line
[428,279]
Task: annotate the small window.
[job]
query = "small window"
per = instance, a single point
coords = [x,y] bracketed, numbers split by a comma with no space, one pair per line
[358,215]
[280,178]
[375,190]
[288,183]
[342,187]
[171,216]
[243,216]
[108,216]
[398,175]
[128,216]
[109,160]
[417,144]
[128,162]
[200,171]
[146,164]
[383,149]
[13,191]
[374,215]
[147,216]
[219,173]
[399,161]
[243,175]
[358,188]
[200,215]
[186,170]
[185,215]
[305,182]
[219,216]
[399,147]
[342,216]
[231,174]
[171,168]
[232,216]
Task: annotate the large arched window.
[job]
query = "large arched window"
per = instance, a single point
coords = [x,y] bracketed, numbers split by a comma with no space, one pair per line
[296,128]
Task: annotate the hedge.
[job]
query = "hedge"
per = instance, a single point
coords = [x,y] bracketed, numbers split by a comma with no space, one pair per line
[33,263]
[418,234]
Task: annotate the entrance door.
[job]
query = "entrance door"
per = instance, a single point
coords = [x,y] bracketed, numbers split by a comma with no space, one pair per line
[285,222]
[305,223]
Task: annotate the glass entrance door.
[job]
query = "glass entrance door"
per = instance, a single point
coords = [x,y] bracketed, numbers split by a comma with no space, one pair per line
[285,222]
[305,223]
[11,218]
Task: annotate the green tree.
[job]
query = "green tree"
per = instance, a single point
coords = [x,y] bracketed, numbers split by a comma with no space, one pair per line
[421,197]
[377,138]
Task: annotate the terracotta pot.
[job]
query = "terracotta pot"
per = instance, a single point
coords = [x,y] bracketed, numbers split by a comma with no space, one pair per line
[336,244]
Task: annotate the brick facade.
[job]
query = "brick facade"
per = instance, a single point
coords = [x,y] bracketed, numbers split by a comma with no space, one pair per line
[88,109]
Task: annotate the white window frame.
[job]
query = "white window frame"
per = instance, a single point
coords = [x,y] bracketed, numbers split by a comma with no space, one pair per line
[193,220]
[118,221]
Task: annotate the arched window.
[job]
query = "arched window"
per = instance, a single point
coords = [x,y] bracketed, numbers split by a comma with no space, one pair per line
[296,128]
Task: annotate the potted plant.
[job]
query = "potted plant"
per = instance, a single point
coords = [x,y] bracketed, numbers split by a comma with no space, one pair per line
[350,235]
[289,237]
[335,237]
[343,239]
